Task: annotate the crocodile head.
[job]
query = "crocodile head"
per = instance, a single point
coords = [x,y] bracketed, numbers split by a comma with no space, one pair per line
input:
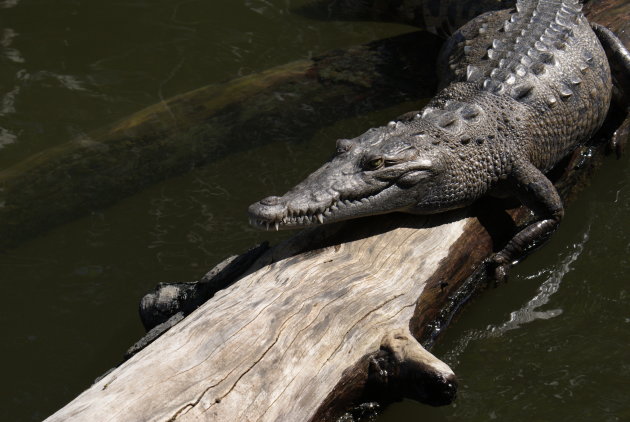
[384,170]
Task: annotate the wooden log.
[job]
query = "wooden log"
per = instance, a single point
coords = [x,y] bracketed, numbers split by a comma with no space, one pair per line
[326,319]
[254,350]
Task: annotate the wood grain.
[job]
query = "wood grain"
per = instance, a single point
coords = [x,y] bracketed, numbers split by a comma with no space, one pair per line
[254,351]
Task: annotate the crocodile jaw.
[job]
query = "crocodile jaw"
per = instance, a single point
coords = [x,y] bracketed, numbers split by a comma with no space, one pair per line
[288,213]
[378,172]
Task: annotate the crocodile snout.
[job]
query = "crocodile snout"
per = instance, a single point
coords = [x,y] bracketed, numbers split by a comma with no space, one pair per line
[267,211]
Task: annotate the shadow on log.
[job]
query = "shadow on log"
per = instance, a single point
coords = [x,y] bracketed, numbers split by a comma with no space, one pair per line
[325,320]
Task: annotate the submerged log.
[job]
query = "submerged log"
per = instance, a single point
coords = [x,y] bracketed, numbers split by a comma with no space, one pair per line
[186,131]
[324,320]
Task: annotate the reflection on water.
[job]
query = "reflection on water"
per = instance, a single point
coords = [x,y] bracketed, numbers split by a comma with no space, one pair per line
[12,54]
[7,98]
[6,4]
[530,311]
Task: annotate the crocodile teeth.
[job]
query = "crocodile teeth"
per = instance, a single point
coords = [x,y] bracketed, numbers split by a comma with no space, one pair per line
[277,225]
[267,224]
[320,218]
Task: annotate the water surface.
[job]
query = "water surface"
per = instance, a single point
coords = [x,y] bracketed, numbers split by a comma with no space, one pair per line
[550,345]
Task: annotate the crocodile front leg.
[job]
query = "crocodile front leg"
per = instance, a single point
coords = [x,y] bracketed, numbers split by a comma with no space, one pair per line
[537,193]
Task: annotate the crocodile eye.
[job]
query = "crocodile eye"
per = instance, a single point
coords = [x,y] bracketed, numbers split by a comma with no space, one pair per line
[374,163]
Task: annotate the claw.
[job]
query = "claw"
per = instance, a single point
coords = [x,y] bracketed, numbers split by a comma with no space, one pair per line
[498,268]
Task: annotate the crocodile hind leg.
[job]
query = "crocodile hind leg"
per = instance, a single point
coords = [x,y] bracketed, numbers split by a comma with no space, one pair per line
[537,193]
[619,59]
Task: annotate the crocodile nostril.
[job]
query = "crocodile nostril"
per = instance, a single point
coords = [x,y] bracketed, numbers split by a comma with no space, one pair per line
[270,201]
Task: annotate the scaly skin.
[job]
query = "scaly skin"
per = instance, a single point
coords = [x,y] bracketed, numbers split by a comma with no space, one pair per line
[521,90]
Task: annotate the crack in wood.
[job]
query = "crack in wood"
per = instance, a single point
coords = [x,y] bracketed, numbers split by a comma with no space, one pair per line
[280,331]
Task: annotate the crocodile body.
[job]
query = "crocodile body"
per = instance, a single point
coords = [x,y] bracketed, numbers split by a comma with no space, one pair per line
[520,90]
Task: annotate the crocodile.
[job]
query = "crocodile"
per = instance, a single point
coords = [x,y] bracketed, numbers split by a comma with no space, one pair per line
[521,89]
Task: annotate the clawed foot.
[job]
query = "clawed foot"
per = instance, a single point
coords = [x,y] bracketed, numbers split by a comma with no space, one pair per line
[498,268]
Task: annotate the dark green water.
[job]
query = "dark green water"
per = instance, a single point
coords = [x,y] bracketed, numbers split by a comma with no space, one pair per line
[552,345]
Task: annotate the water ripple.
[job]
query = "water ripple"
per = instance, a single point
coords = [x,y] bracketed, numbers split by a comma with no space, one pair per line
[7,4]
[7,102]
[530,311]
[262,7]
[6,138]
[12,54]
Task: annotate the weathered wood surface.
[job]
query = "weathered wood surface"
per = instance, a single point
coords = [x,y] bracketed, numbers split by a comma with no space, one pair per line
[311,326]
[274,345]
